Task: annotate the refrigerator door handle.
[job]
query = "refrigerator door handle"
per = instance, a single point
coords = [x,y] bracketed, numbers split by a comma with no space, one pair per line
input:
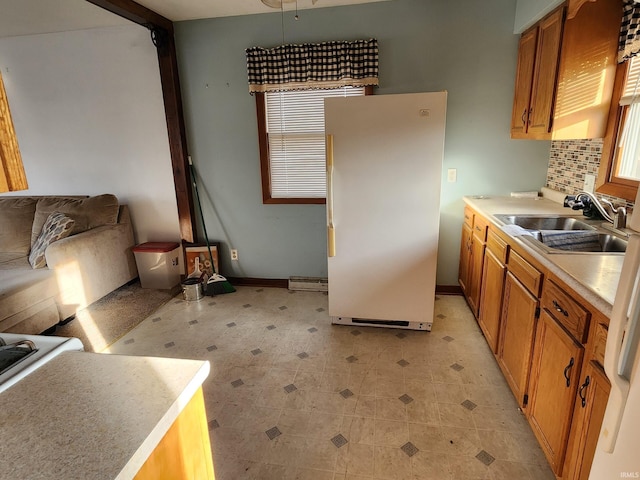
[331,232]
[621,343]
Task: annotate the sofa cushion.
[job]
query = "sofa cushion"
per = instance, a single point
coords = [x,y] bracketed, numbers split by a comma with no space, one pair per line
[86,212]
[21,287]
[16,221]
[57,226]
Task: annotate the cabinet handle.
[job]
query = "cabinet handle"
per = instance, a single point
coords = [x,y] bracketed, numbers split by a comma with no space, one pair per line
[559,308]
[567,369]
[524,117]
[583,398]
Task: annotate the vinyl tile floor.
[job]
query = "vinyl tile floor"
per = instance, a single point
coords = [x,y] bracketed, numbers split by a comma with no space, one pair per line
[291,396]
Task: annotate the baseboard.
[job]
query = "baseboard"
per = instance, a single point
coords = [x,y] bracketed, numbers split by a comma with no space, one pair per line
[259,282]
[448,290]
[284,283]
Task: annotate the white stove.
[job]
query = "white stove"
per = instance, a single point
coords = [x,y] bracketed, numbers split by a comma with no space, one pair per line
[22,354]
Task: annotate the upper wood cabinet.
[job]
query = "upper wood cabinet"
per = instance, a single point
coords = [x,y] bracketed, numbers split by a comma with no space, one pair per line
[566,82]
[524,81]
[538,58]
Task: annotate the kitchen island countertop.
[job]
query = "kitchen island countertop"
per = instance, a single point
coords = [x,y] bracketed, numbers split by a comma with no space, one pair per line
[594,276]
[92,416]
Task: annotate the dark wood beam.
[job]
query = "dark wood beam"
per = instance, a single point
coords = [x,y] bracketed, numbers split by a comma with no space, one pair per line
[168,63]
[135,12]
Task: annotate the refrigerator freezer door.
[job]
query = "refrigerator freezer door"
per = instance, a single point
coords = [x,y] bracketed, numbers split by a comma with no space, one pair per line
[616,453]
[387,169]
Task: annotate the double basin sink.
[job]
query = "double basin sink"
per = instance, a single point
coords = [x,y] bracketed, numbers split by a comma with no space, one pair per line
[559,234]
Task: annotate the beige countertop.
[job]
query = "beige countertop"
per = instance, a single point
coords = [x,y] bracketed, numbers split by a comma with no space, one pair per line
[92,416]
[594,276]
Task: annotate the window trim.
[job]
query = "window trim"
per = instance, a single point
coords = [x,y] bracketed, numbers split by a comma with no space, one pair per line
[265,164]
[608,183]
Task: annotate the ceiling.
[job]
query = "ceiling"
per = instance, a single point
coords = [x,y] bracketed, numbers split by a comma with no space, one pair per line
[30,17]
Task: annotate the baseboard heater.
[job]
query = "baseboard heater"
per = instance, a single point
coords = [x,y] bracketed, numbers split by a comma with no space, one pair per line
[366,322]
[308,284]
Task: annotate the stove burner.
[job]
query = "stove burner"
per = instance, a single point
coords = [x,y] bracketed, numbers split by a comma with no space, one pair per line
[14,353]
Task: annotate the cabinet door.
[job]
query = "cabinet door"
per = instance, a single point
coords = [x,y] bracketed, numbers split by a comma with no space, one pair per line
[491,298]
[524,81]
[555,373]
[475,280]
[519,315]
[465,259]
[545,74]
[591,402]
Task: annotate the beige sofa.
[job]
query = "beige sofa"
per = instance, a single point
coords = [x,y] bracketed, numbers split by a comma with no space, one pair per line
[93,261]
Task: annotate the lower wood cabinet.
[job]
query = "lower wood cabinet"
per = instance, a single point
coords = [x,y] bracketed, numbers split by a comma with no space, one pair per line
[491,301]
[555,371]
[472,247]
[464,271]
[590,405]
[184,453]
[477,261]
[519,316]
[548,341]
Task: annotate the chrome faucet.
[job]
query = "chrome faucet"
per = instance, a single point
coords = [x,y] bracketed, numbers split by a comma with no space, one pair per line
[618,215]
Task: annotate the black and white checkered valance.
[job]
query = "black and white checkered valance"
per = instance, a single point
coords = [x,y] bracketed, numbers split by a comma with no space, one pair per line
[313,65]
[629,43]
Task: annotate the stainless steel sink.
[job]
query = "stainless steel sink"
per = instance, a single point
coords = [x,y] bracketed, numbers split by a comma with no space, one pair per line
[533,222]
[606,243]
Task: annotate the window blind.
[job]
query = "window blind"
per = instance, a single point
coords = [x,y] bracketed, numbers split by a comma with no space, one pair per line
[629,140]
[632,83]
[295,128]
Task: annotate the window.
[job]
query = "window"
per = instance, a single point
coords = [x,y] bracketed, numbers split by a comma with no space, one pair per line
[292,143]
[620,166]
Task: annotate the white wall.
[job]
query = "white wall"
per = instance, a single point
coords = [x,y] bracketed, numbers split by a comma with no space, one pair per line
[88,112]
[529,12]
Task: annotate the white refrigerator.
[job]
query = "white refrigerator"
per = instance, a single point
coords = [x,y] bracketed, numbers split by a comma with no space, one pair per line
[618,450]
[384,169]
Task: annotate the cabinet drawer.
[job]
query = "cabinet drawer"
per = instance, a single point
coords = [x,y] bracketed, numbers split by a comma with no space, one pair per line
[497,246]
[468,216]
[480,226]
[525,272]
[599,343]
[569,313]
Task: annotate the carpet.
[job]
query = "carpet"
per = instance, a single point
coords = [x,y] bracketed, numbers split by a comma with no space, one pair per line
[105,321]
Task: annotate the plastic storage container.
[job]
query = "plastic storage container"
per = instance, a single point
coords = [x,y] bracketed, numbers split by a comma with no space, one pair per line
[158,264]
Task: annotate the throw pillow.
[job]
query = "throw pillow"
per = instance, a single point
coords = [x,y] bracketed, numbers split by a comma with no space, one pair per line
[88,212]
[56,227]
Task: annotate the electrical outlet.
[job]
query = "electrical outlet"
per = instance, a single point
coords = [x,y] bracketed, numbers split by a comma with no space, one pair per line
[234,254]
[452,175]
[589,183]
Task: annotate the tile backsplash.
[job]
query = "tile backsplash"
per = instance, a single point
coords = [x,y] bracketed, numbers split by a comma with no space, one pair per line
[570,161]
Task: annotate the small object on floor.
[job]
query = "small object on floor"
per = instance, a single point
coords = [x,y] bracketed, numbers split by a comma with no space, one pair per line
[217,285]
[192,289]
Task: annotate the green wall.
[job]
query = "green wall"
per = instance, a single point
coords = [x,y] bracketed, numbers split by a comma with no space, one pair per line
[466,47]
